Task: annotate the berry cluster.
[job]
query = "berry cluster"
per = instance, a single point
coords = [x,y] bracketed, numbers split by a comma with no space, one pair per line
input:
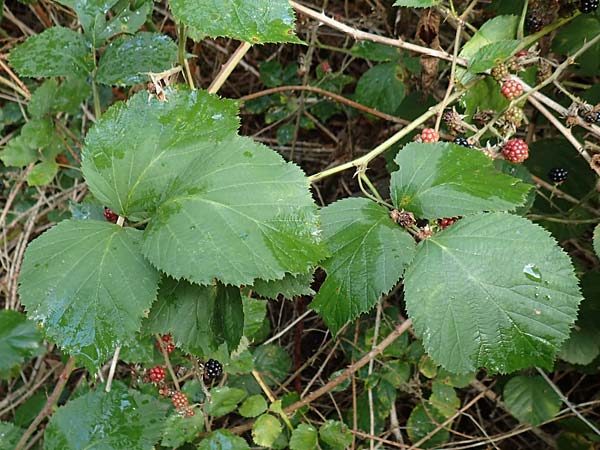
[558,174]
[157,374]
[212,369]
[511,89]
[588,6]
[167,343]
[533,23]
[429,135]
[447,221]
[514,116]
[515,151]
[462,142]
[500,72]
[110,216]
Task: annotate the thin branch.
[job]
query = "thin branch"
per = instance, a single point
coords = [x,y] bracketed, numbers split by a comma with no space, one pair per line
[228,67]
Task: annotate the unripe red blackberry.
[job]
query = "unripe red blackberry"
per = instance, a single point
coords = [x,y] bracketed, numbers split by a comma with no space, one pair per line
[429,135]
[179,400]
[110,216]
[157,374]
[516,151]
[511,89]
[447,221]
[167,343]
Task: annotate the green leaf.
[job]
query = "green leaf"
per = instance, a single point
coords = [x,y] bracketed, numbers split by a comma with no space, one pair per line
[447,180]
[137,149]
[423,421]
[127,59]
[484,95]
[179,429]
[303,437]
[42,99]
[186,311]
[417,3]
[70,94]
[239,213]
[289,286]
[497,29]
[121,419]
[223,440]
[9,435]
[56,52]
[444,399]
[487,56]
[228,319]
[374,51]
[265,430]
[597,240]
[19,340]
[253,406]
[42,173]
[255,312]
[89,12]
[531,399]
[254,21]
[571,37]
[382,87]
[335,434]
[88,284]
[223,400]
[369,255]
[273,361]
[18,152]
[508,302]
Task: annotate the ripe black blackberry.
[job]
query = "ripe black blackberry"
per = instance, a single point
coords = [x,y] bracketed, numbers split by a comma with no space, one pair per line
[558,174]
[212,369]
[533,23]
[592,116]
[588,6]
[462,141]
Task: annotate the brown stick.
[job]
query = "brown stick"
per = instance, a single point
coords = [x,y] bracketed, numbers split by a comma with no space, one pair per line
[329,94]
[47,411]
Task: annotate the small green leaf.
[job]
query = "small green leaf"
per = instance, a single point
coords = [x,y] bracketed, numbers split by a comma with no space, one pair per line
[223,440]
[228,319]
[289,286]
[88,284]
[369,255]
[121,419]
[382,87]
[265,430]
[18,152]
[56,52]
[487,56]
[423,421]
[336,435]
[127,59]
[531,399]
[255,311]
[186,311]
[273,361]
[42,99]
[253,406]
[446,180]
[89,12]
[19,340]
[484,95]
[417,3]
[374,51]
[223,400]
[254,21]
[304,437]
[179,429]
[444,399]
[42,173]
[508,302]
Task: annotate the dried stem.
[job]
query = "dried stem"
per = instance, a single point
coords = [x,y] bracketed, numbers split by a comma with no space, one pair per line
[228,67]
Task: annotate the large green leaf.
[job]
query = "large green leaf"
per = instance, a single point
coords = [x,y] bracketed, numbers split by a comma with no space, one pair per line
[121,419]
[492,290]
[239,212]
[19,339]
[56,52]
[424,420]
[223,440]
[289,286]
[369,255]
[255,21]
[136,150]
[487,56]
[127,59]
[229,315]
[186,311]
[531,399]
[88,284]
[446,180]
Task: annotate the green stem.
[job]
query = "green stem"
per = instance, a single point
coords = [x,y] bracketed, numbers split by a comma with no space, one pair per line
[97,107]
